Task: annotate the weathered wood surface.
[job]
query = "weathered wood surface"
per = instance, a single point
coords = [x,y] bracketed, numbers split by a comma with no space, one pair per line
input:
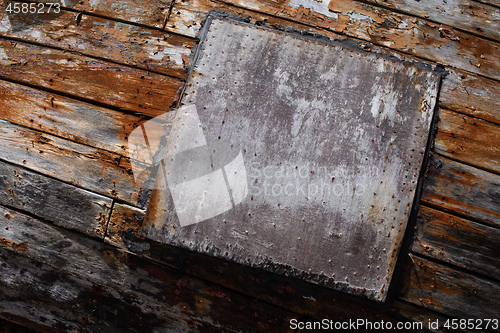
[141,47]
[469,140]
[125,223]
[71,268]
[87,78]
[66,117]
[457,241]
[91,168]
[471,94]
[380,26]
[470,16]
[149,13]
[462,189]
[490,2]
[53,200]
[450,291]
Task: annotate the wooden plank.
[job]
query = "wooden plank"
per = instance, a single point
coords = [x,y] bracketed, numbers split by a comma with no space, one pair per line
[53,200]
[90,79]
[468,139]
[471,94]
[470,16]
[125,222]
[450,291]
[490,2]
[141,47]
[67,118]
[466,191]
[91,168]
[383,27]
[158,293]
[150,13]
[457,241]
[72,304]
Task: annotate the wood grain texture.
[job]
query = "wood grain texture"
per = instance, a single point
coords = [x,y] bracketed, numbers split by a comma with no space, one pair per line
[66,117]
[90,79]
[149,13]
[470,16]
[91,168]
[400,32]
[149,49]
[450,291]
[125,222]
[471,94]
[468,139]
[123,283]
[464,190]
[457,241]
[52,200]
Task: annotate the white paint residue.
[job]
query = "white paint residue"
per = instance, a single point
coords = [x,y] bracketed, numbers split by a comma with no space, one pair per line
[94,3]
[282,78]
[5,24]
[318,7]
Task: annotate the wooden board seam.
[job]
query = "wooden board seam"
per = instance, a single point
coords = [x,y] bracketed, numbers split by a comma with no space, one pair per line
[30,42]
[465,163]
[407,13]
[469,115]
[70,184]
[437,207]
[449,266]
[103,16]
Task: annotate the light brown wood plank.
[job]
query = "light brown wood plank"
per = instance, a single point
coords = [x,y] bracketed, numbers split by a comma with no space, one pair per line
[54,201]
[457,241]
[470,16]
[91,168]
[66,117]
[462,189]
[468,139]
[154,293]
[145,48]
[399,32]
[90,79]
[471,94]
[450,291]
[150,13]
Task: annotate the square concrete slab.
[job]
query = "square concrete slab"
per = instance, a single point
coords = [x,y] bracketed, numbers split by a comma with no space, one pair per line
[296,155]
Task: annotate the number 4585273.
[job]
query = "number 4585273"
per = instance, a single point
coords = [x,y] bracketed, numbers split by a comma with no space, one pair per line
[33,8]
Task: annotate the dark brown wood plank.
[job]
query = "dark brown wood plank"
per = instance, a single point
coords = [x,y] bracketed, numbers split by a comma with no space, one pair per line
[67,303]
[470,16]
[457,241]
[471,94]
[91,168]
[53,200]
[90,79]
[462,189]
[68,118]
[150,13]
[468,139]
[450,291]
[145,48]
[151,290]
[397,31]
